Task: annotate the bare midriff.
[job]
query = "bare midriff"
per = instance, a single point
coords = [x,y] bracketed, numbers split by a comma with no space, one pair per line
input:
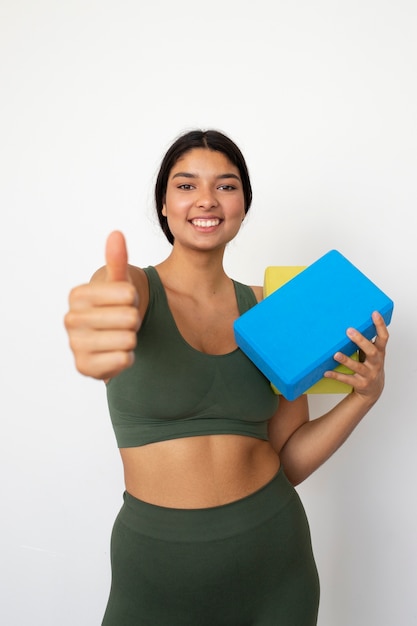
[198,472]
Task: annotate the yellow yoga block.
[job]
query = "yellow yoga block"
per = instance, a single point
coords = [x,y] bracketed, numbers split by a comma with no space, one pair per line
[274,278]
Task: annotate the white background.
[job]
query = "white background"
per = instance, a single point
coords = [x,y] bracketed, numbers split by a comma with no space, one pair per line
[321,97]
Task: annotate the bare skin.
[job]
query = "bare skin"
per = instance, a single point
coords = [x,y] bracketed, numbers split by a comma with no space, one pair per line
[105,315]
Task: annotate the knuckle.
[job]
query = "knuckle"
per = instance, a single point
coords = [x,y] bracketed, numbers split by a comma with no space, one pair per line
[76,293]
[76,343]
[128,318]
[67,320]
[129,293]
[82,363]
[131,341]
[133,318]
[70,319]
[77,337]
[123,360]
[132,292]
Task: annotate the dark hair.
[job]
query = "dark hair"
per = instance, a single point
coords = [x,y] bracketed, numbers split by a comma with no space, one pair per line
[211,140]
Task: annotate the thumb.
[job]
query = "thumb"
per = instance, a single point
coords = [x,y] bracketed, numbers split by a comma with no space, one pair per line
[116,257]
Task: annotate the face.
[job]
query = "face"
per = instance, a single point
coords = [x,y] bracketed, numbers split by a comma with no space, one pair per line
[204,202]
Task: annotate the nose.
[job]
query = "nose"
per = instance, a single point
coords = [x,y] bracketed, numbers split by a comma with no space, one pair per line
[207,199]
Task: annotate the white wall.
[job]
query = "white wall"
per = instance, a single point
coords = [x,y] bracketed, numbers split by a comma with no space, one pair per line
[321,96]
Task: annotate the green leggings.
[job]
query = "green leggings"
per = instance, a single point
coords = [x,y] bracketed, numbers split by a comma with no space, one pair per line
[248,563]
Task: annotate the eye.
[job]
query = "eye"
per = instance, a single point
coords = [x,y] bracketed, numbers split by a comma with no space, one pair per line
[227,187]
[185,186]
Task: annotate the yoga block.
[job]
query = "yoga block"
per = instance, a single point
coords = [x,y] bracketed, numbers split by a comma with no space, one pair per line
[275,277]
[293,334]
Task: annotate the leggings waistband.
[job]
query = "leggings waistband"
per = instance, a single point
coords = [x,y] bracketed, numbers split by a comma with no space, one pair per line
[208,523]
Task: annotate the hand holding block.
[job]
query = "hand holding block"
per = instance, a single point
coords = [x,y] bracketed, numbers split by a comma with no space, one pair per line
[293,334]
[275,277]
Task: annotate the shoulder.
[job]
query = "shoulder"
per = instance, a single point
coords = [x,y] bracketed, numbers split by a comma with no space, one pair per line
[259,292]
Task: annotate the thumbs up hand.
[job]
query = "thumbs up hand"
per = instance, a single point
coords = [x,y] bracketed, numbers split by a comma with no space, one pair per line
[103,316]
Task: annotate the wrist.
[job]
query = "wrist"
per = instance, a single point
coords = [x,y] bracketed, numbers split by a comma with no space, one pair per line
[364,402]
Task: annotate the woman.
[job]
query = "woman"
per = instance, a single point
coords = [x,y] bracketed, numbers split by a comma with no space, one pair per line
[211,531]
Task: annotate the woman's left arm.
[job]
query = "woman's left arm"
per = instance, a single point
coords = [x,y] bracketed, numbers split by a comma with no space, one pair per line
[310,443]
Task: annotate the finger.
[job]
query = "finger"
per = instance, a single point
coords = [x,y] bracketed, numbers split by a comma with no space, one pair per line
[116,257]
[104,365]
[382,334]
[371,348]
[353,363]
[103,318]
[90,342]
[102,294]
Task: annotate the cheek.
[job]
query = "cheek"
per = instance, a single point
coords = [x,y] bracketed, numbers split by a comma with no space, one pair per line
[175,204]
[239,210]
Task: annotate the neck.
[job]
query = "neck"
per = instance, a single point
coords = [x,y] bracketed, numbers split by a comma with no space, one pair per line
[193,270]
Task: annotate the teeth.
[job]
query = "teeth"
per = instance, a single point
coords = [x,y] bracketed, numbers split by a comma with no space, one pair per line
[206,223]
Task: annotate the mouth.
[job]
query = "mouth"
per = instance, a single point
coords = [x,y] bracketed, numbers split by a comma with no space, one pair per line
[200,222]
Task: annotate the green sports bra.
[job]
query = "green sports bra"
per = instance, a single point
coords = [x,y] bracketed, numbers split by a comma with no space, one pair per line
[173,390]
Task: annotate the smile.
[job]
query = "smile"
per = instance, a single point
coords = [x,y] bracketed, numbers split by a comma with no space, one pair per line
[205,223]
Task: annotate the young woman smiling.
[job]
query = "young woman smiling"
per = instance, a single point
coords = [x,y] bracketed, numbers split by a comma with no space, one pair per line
[211,531]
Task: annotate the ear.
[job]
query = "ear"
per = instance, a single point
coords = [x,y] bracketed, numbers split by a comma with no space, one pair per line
[164,210]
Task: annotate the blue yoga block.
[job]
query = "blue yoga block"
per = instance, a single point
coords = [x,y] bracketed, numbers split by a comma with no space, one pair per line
[293,334]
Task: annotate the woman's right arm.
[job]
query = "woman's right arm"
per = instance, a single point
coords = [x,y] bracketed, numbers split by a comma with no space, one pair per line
[105,314]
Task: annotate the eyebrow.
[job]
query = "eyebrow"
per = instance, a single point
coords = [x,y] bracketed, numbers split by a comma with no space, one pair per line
[220,177]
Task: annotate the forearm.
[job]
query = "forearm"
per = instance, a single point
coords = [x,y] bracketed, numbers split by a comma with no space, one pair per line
[315,441]
[307,445]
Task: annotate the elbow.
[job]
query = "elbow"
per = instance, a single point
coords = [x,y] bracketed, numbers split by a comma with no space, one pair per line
[293,476]
[296,468]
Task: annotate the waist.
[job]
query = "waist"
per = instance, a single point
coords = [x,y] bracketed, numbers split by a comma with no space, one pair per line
[211,523]
[198,472]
